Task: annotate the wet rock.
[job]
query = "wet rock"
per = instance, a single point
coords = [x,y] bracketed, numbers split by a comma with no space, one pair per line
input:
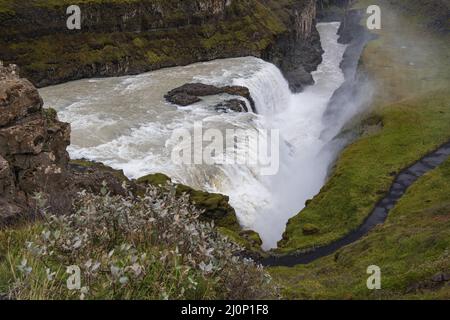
[183,99]
[234,105]
[189,93]
[298,79]
[441,277]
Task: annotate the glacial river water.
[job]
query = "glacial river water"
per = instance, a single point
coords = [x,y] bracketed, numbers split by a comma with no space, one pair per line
[126,123]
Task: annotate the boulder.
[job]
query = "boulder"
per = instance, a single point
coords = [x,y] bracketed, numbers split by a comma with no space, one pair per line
[189,93]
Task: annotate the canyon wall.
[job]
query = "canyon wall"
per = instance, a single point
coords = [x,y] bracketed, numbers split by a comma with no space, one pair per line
[130,37]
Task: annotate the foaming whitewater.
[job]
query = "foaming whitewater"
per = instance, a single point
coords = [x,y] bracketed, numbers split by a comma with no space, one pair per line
[126,123]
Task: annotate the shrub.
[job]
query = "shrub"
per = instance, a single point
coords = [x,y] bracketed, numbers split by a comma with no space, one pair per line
[150,247]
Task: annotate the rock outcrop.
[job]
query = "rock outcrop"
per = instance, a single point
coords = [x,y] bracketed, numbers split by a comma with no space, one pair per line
[298,51]
[33,143]
[189,94]
[130,37]
[232,105]
[33,156]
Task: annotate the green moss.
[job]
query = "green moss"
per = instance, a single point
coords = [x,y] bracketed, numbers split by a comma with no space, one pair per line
[50,114]
[249,240]
[157,179]
[310,229]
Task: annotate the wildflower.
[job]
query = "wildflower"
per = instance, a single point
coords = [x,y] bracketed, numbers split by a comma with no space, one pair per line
[24,268]
[206,268]
[50,275]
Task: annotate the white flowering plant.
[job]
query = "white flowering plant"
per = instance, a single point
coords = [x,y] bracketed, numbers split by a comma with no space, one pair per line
[135,247]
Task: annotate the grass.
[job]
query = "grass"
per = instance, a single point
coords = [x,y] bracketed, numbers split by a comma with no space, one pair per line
[410,68]
[411,249]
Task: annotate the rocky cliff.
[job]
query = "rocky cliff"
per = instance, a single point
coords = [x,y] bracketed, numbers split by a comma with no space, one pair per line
[33,143]
[128,37]
[33,156]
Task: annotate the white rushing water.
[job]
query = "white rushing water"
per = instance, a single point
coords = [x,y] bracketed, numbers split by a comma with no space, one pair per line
[126,123]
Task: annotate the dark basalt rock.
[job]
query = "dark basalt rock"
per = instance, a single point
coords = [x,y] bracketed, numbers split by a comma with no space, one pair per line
[298,79]
[234,105]
[189,94]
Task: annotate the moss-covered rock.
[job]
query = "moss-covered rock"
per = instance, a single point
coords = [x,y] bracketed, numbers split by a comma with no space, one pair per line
[216,206]
[82,164]
[310,229]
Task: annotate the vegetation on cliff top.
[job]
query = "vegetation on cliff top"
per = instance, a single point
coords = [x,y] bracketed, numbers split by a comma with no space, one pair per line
[215,207]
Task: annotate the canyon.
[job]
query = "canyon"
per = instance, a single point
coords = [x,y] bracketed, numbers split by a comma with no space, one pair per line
[120,38]
[363,117]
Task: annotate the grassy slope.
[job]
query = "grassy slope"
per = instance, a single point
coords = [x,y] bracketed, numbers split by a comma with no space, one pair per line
[411,248]
[413,105]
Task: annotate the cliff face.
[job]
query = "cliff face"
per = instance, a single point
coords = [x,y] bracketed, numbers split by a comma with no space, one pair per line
[297,52]
[33,156]
[128,37]
[33,143]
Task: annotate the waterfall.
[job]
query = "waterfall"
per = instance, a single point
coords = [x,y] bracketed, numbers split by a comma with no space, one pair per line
[126,123]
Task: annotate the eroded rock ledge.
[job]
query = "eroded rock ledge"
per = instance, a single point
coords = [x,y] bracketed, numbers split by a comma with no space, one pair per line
[190,93]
